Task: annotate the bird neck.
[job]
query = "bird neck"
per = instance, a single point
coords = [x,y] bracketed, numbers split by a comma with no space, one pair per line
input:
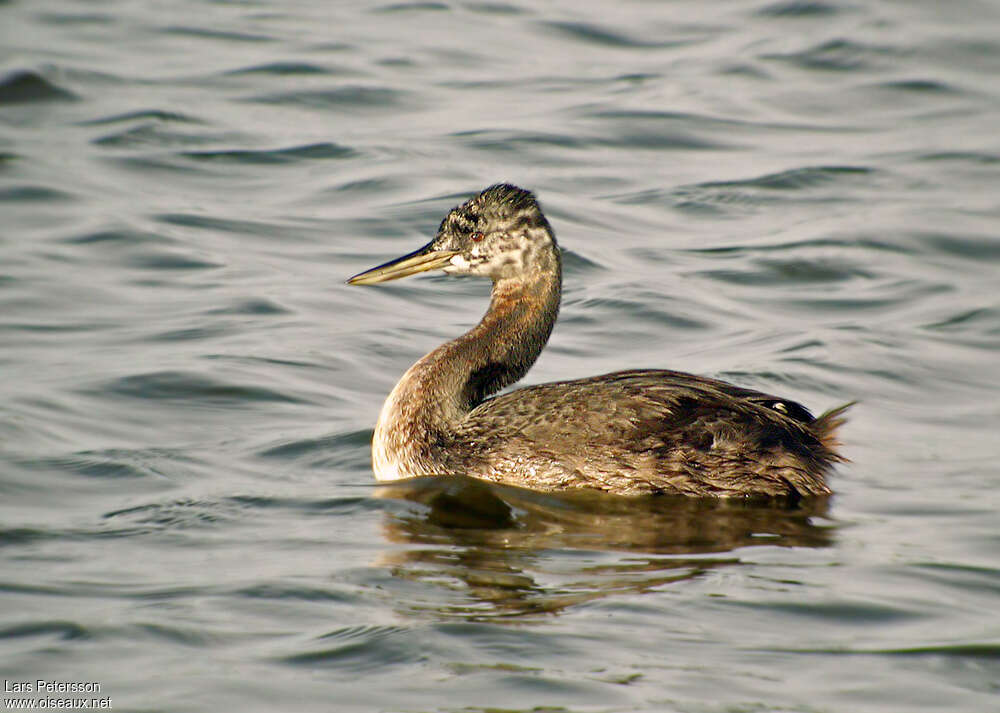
[508,339]
[435,394]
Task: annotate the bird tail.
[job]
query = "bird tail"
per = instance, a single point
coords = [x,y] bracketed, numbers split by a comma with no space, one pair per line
[825,428]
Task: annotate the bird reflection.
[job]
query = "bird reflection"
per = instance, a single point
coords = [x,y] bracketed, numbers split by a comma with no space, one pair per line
[507,552]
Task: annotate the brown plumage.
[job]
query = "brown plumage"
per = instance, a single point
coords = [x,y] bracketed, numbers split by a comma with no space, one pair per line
[630,432]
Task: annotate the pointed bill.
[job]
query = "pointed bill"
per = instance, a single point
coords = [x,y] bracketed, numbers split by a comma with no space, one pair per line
[422,260]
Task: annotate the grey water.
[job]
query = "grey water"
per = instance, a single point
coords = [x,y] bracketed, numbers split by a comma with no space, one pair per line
[799,196]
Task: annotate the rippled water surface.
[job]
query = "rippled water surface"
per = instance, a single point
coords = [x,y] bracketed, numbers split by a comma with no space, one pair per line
[798,196]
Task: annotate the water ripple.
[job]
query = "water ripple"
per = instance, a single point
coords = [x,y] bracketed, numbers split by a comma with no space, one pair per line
[290,155]
[33,194]
[155,134]
[351,99]
[159,115]
[805,9]
[323,447]
[360,648]
[116,463]
[806,184]
[215,34]
[193,388]
[53,628]
[395,8]
[599,36]
[282,69]
[26,86]
[837,55]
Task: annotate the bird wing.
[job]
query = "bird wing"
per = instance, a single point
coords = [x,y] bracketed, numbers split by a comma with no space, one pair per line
[653,430]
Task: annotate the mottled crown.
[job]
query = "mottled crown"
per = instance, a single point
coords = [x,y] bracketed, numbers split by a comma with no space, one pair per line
[504,195]
[500,207]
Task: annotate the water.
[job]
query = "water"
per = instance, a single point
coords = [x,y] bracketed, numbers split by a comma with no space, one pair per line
[797,196]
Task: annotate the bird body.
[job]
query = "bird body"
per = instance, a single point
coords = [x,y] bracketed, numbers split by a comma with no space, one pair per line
[631,432]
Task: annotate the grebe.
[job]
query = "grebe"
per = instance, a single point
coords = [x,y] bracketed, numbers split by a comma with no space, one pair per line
[631,432]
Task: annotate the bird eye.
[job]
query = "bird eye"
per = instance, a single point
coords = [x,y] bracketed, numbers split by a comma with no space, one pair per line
[477,236]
